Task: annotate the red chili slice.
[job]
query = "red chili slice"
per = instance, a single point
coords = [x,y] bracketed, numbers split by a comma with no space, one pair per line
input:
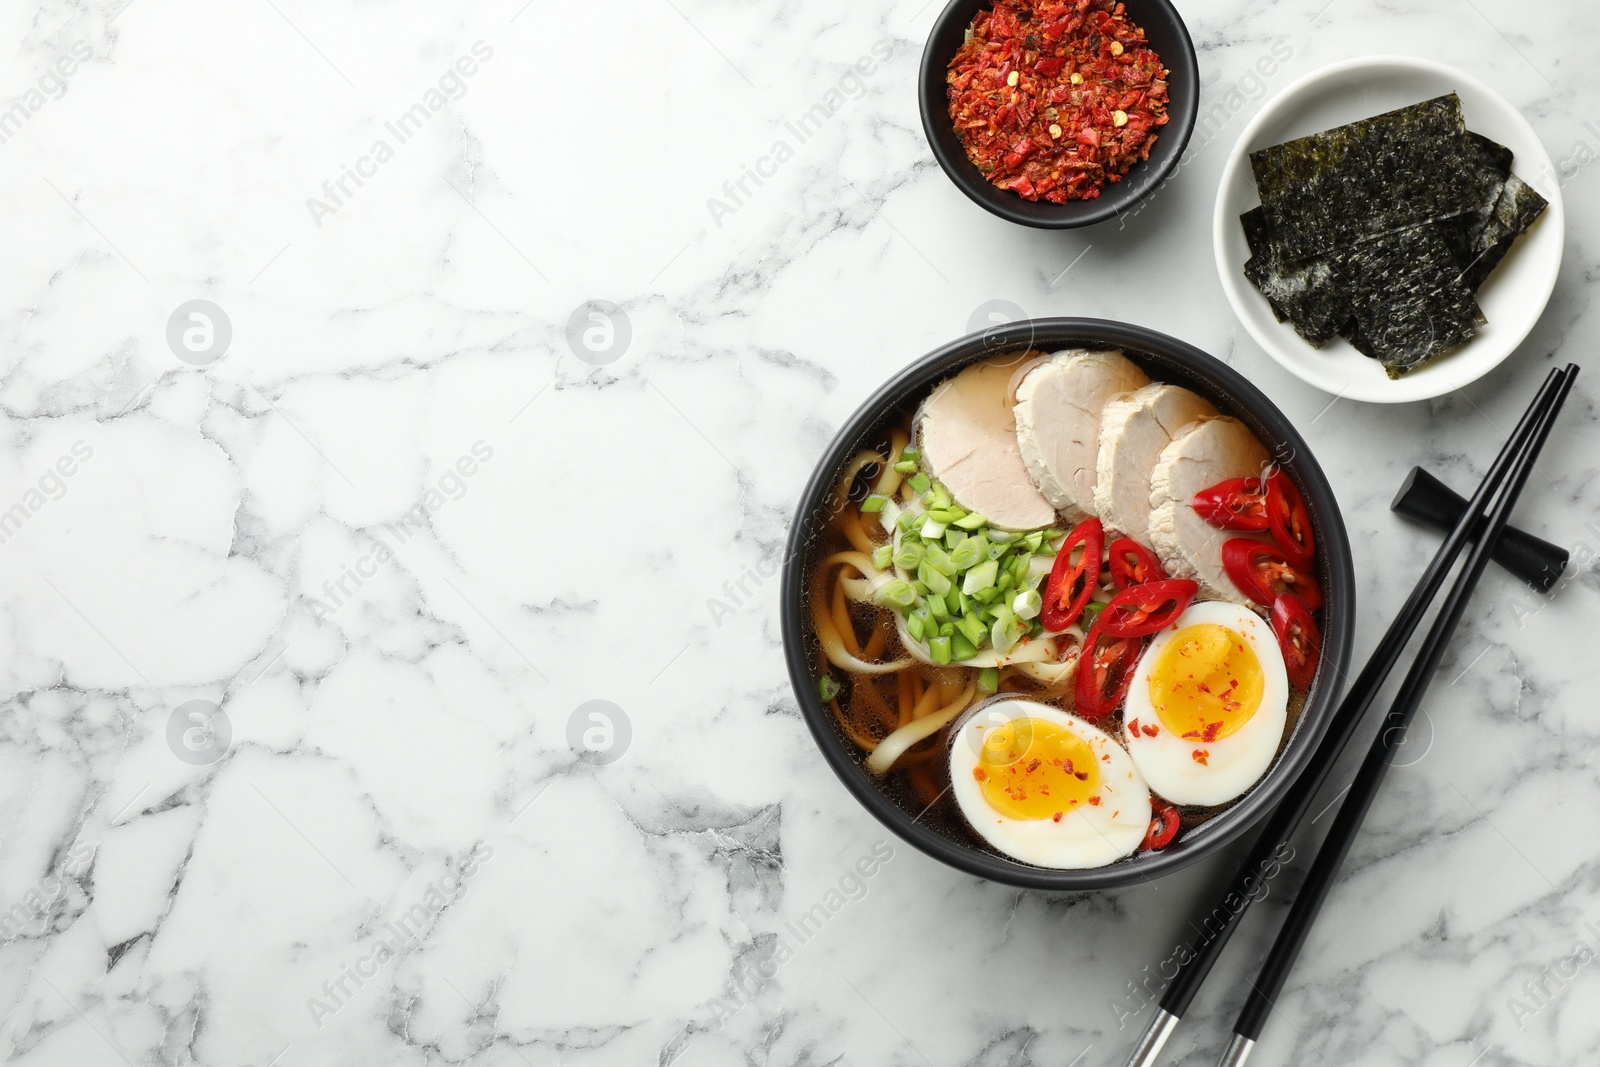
[1236,504]
[1263,573]
[1072,582]
[1133,564]
[1141,610]
[1105,670]
[1163,828]
[1298,638]
[1288,520]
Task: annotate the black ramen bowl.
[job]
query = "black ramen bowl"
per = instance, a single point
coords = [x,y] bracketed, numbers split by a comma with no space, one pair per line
[1167,34]
[1164,359]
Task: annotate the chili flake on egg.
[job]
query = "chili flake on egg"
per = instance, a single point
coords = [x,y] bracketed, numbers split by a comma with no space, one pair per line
[1053,100]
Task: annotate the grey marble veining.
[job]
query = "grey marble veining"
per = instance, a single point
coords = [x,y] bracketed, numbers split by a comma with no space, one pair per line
[412,530]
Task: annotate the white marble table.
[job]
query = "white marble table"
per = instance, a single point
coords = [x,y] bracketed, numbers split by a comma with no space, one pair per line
[402,536]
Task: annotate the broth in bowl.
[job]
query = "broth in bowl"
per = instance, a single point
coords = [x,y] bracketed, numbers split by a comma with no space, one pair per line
[1062,612]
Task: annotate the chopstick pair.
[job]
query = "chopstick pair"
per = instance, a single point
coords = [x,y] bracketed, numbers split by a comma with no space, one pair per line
[1504,479]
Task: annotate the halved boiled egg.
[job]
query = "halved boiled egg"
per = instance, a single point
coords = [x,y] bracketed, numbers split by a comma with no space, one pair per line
[1047,788]
[1207,705]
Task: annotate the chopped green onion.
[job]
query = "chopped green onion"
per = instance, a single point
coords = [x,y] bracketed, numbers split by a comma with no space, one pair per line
[989,680]
[953,539]
[907,521]
[897,594]
[939,649]
[996,551]
[961,648]
[873,504]
[932,530]
[1003,537]
[1007,582]
[968,553]
[1091,612]
[1019,568]
[1006,632]
[1027,604]
[827,688]
[909,556]
[941,496]
[987,596]
[910,453]
[914,627]
[929,576]
[944,516]
[937,607]
[972,627]
[920,482]
[958,601]
[920,587]
[980,577]
[882,556]
[947,629]
[939,560]
[1033,541]
[906,466]
[973,521]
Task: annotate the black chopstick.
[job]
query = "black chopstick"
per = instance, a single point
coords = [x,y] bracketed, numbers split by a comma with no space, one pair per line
[1243,889]
[1347,824]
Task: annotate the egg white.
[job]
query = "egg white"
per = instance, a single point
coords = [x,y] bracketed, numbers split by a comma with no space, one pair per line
[1088,835]
[1233,763]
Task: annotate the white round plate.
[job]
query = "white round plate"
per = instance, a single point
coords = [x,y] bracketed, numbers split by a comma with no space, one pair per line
[1512,298]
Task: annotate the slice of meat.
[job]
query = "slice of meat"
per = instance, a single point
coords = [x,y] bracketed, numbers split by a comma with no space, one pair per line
[1203,454]
[969,440]
[1058,422]
[1133,430]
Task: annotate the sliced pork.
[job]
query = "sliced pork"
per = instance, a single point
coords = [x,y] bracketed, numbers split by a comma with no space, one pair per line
[1200,456]
[1134,429]
[1059,403]
[968,436]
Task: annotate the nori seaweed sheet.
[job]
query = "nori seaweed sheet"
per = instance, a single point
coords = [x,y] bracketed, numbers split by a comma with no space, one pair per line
[1408,305]
[1516,209]
[1369,177]
[1381,231]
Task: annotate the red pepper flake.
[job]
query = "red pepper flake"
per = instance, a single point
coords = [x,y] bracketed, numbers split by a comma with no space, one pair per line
[1095,800]
[1201,756]
[1088,95]
[980,774]
[1082,776]
[1133,727]
[1056,817]
[1211,731]
[1034,765]
[1150,730]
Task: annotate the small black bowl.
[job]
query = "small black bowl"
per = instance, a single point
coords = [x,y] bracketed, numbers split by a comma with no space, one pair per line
[1164,359]
[1167,34]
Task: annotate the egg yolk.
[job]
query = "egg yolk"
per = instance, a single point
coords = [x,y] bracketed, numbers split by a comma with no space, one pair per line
[1035,769]
[1206,683]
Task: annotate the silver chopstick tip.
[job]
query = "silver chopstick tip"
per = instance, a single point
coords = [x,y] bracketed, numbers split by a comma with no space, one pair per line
[1238,1051]
[1154,1037]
